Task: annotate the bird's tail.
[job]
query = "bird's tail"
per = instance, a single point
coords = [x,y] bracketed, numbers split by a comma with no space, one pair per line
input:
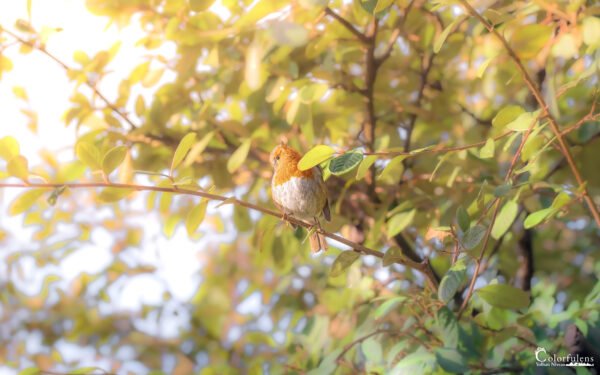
[317,242]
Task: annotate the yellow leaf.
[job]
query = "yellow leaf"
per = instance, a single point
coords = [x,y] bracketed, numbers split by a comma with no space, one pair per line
[9,148]
[182,149]
[528,40]
[195,217]
[198,148]
[364,166]
[239,156]
[315,156]
[140,106]
[112,194]
[113,158]
[200,5]
[24,201]
[18,167]
[507,115]
[89,155]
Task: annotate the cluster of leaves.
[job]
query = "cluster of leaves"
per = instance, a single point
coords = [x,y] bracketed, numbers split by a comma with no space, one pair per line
[438,153]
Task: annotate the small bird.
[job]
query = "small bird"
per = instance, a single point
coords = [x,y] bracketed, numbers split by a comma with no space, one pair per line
[301,194]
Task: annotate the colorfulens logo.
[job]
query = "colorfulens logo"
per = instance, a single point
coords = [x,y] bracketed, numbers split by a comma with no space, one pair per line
[543,358]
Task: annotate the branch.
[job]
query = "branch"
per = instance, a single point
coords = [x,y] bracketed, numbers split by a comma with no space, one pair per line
[436,150]
[371,68]
[496,205]
[374,333]
[421,267]
[425,69]
[540,100]
[43,50]
[525,259]
[362,37]
[479,120]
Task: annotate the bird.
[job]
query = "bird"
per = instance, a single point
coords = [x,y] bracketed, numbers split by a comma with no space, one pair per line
[300,194]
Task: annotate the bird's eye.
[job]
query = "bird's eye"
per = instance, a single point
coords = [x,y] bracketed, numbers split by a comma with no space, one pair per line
[277,157]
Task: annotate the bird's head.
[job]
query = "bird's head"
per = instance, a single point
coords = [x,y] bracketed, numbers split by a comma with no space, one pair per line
[282,154]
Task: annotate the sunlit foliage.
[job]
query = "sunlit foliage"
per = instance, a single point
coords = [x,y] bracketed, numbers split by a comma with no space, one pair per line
[459,142]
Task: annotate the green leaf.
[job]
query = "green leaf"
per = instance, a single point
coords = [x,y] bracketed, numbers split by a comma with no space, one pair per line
[195,217]
[561,200]
[537,217]
[446,320]
[463,219]
[372,350]
[342,262]
[487,151]
[18,167]
[113,194]
[483,67]
[113,158]
[239,156]
[382,5]
[473,236]
[507,115]
[414,363]
[452,281]
[24,201]
[451,360]
[387,306]
[89,155]
[345,163]
[506,216]
[315,156]
[200,5]
[504,296]
[502,190]
[400,221]
[523,122]
[182,149]
[9,148]
[393,255]
[31,371]
[532,146]
[441,38]
[312,92]
[364,166]
[528,40]
[393,169]
[289,34]
[198,148]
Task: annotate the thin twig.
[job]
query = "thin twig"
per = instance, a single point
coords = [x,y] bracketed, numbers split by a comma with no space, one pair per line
[542,103]
[362,37]
[436,150]
[496,206]
[423,267]
[93,87]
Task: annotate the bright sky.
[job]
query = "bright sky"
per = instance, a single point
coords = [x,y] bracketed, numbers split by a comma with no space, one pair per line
[177,259]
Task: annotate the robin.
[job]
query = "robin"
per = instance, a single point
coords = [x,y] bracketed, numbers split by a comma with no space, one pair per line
[301,194]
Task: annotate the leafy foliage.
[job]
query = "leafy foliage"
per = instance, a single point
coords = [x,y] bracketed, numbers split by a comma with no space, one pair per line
[459,147]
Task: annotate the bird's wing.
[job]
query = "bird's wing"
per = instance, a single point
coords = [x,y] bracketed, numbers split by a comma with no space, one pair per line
[323,187]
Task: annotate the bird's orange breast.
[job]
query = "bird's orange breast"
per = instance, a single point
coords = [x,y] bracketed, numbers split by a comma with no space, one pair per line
[288,169]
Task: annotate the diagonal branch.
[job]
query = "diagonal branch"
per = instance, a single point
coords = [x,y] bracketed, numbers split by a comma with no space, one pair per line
[496,206]
[422,267]
[350,27]
[542,103]
[93,87]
